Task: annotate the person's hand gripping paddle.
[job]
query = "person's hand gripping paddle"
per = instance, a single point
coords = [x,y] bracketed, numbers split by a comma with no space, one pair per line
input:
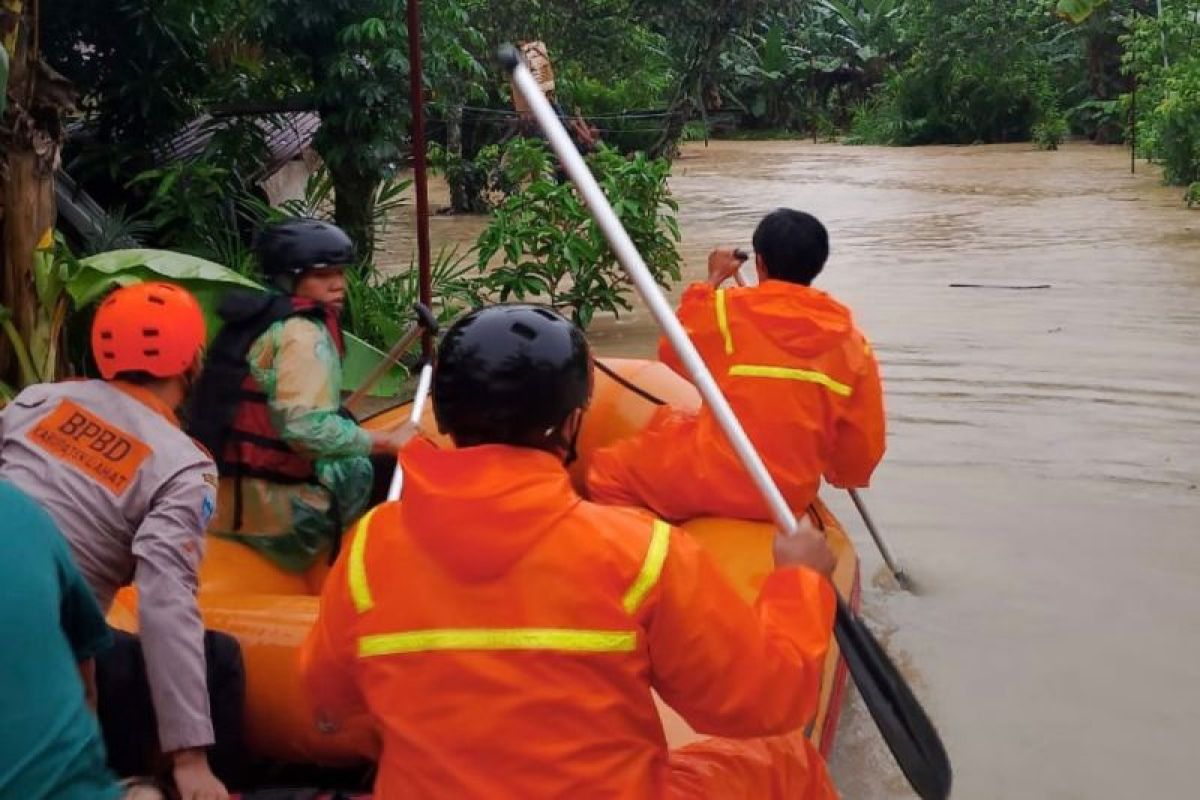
[426,323]
[902,721]
[424,382]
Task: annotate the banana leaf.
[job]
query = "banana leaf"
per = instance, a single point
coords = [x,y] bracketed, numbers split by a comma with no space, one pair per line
[208,281]
[1077,10]
[3,80]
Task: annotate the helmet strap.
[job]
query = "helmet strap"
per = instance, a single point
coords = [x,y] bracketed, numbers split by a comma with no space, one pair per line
[285,283]
[567,443]
[190,376]
[572,451]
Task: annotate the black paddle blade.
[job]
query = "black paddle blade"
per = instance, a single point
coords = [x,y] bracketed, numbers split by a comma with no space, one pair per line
[901,720]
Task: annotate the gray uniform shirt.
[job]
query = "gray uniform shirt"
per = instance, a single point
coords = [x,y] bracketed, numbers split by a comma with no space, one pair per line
[132,494]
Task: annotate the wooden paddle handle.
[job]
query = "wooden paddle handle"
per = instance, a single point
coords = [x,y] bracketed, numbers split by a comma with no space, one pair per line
[426,321]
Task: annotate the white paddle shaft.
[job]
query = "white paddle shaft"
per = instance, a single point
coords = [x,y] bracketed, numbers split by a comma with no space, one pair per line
[651,294]
[424,382]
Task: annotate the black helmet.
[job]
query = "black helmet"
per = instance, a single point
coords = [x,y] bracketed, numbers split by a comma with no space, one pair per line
[510,374]
[291,247]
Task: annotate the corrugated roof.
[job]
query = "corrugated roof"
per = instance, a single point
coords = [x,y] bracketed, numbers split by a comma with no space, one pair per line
[286,136]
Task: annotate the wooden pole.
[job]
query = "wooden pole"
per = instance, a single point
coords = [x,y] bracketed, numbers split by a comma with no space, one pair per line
[1133,128]
[420,170]
[1163,32]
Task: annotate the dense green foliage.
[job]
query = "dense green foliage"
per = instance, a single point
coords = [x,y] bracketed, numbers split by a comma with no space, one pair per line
[644,73]
[1164,55]
[977,71]
[145,72]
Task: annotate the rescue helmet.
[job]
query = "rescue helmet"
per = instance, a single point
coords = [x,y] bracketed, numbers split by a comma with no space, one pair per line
[510,374]
[290,248]
[155,328]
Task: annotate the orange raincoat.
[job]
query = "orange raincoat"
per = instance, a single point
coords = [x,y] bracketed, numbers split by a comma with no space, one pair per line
[505,635]
[801,379]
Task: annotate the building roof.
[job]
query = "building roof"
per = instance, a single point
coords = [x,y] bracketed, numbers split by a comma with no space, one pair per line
[286,136]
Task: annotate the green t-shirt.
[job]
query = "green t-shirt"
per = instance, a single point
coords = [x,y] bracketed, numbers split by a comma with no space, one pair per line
[50,744]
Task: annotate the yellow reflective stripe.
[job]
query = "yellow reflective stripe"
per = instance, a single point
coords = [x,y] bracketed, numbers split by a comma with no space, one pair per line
[656,554]
[787,373]
[356,573]
[562,639]
[723,322]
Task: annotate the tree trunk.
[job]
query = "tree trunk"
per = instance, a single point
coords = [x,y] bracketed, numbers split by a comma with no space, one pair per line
[720,24]
[29,213]
[32,141]
[354,204]
[459,173]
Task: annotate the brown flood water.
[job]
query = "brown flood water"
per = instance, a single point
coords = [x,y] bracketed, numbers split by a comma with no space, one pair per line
[1044,445]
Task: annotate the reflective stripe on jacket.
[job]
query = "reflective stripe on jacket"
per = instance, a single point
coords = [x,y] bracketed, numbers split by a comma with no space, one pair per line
[506,635]
[800,377]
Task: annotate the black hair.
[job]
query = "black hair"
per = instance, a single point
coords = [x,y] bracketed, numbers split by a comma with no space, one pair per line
[137,377]
[793,245]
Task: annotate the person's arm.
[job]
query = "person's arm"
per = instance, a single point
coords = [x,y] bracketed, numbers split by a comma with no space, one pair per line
[327,657]
[81,619]
[87,676]
[860,433]
[731,669]
[303,382]
[697,313]
[168,546]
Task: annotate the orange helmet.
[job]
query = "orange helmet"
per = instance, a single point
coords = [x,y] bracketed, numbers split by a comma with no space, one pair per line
[148,327]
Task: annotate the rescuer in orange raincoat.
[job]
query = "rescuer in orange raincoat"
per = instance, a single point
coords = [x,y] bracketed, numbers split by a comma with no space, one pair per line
[799,375]
[506,634]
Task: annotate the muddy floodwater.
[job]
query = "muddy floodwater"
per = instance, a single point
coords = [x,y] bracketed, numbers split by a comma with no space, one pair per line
[1044,445]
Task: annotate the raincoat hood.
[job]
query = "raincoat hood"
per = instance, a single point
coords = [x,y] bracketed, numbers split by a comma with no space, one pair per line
[799,319]
[479,510]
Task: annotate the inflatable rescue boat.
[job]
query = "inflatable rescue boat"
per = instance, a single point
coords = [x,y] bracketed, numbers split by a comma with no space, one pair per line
[271,611]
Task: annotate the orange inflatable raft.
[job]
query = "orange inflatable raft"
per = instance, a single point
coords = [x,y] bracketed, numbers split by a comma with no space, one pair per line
[270,611]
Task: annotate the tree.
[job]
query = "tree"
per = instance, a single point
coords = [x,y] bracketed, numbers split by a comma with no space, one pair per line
[32,139]
[698,31]
[350,59]
[147,69]
[144,70]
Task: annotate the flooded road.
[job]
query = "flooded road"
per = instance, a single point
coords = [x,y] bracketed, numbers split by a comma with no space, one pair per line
[1044,445]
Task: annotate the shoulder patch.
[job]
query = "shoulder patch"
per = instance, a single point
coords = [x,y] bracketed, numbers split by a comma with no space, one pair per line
[91,445]
[208,507]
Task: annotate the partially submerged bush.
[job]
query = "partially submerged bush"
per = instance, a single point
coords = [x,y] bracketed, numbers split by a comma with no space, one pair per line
[1050,130]
[550,248]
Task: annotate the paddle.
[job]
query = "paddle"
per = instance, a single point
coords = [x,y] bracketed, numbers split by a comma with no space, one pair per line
[424,382]
[897,571]
[425,322]
[901,720]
